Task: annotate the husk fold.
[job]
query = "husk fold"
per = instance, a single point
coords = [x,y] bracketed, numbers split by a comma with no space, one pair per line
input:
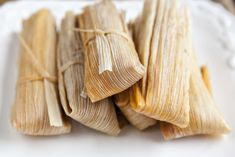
[138,120]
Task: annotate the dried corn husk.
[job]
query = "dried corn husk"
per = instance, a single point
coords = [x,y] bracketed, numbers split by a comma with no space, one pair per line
[204,115]
[143,29]
[161,34]
[36,110]
[138,120]
[111,62]
[206,78]
[100,115]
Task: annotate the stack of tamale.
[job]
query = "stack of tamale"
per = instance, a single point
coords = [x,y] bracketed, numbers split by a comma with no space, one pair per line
[155,78]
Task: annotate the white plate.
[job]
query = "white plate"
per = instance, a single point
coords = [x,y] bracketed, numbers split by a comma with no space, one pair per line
[210,22]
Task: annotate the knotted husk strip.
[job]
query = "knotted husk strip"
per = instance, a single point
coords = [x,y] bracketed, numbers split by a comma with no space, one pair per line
[205,118]
[164,53]
[110,46]
[30,112]
[101,115]
[138,120]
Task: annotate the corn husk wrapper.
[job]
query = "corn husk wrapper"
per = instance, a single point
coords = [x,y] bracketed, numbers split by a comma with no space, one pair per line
[36,110]
[111,62]
[206,78]
[205,117]
[100,115]
[161,33]
[138,120]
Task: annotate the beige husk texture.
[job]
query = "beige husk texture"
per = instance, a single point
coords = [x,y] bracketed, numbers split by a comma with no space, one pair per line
[205,118]
[101,115]
[160,35]
[206,78]
[138,120]
[111,62]
[36,110]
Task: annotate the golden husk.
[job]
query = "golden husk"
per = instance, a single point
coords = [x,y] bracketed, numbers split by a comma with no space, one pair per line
[160,35]
[206,78]
[36,110]
[100,115]
[204,116]
[111,61]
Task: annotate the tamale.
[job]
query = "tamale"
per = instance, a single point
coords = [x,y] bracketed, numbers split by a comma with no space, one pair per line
[161,35]
[138,120]
[111,62]
[100,115]
[36,110]
[204,115]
